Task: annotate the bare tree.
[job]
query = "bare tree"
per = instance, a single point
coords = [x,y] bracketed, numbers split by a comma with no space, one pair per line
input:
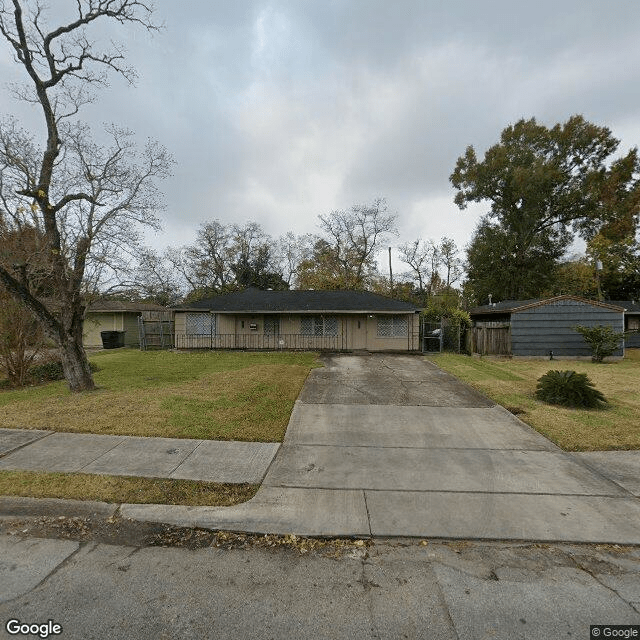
[85,200]
[254,262]
[290,252]
[21,340]
[154,279]
[355,236]
[452,264]
[228,257]
[423,258]
[250,246]
[205,265]
[417,255]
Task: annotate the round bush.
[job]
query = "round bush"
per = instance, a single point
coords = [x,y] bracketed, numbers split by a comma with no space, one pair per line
[569,389]
[51,370]
[47,371]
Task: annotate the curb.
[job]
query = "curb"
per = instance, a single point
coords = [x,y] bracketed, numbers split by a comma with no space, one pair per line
[14,506]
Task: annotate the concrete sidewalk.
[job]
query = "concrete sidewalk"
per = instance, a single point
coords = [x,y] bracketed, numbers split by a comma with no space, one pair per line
[206,460]
[392,446]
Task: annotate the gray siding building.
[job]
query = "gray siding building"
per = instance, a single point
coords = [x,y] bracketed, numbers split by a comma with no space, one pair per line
[541,327]
[631,322]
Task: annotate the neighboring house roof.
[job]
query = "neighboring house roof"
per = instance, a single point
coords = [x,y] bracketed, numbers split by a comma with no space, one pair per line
[630,306]
[117,306]
[298,301]
[506,306]
[514,306]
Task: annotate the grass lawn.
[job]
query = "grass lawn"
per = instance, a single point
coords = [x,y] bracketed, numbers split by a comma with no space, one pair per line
[512,383]
[208,395]
[118,489]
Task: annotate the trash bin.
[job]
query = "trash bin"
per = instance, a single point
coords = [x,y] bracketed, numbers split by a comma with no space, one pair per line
[112,339]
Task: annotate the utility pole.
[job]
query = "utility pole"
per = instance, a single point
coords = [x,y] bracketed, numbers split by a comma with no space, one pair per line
[598,270]
[390,272]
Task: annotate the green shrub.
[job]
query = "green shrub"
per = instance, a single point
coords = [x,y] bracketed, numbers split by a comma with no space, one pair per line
[455,316]
[50,371]
[46,371]
[603,340]
[569,389]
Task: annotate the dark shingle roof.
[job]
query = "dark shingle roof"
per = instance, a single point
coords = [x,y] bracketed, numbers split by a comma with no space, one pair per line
[254,300]
[120,306]
[504,306]
[628,305]
[509,306]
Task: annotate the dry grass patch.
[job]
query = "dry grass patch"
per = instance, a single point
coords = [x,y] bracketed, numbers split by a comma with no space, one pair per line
[118,489]
[219,396]
[512,383]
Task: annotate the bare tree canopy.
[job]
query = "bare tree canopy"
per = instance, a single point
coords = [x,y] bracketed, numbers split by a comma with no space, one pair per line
[229,257]
[154,280]
[290,252]
[84,200]
[354,237]
[226,257]
[433,268]
[451,263]
[421,256]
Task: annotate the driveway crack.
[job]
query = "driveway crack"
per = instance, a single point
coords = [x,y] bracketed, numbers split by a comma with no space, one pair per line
[357,389]
[588,571]
[443,601]
[55,570]
[366,507]
[367,585]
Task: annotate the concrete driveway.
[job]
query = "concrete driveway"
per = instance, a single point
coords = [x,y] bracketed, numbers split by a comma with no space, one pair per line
[389,445]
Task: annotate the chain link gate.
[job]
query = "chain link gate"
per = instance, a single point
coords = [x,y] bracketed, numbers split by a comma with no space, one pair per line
[442,335]
[431,337]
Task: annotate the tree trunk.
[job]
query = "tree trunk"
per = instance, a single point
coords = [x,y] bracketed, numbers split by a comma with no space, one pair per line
[63,328]
[76,367]
[72,354]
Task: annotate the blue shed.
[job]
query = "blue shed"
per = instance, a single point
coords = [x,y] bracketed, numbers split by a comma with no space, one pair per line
[538,327]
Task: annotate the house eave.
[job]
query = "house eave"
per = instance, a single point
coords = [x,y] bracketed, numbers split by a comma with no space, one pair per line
[300,311]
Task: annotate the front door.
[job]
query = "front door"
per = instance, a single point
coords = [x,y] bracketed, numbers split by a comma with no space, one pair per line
[358,333]
[271,331]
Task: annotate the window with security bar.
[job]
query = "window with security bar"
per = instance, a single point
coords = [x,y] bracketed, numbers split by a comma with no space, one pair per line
[319,326]
[393,326]
[199,324]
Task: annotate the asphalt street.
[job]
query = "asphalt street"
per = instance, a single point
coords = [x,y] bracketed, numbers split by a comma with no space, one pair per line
[393,589]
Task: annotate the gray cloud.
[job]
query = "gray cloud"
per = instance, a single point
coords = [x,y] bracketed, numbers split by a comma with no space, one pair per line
[278,111]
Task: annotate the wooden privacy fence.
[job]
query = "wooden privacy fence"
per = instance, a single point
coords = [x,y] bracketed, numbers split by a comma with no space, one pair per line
[156,330]
[491,338]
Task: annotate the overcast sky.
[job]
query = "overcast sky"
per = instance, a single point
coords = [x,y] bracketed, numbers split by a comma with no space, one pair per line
[280,111]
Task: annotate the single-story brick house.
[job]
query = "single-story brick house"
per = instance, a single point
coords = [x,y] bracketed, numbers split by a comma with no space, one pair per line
[309,320]
[112,315]
[537,328]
